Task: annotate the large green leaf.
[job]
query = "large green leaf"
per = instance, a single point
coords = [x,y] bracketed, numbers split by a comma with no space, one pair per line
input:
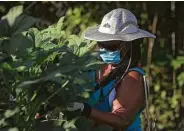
[18,45]
[4,29]
[23,23]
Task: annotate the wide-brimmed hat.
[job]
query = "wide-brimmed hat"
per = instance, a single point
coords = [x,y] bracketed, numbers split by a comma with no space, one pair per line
[119,24]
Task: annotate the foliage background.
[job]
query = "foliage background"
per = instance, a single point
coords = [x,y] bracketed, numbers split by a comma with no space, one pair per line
[163,58]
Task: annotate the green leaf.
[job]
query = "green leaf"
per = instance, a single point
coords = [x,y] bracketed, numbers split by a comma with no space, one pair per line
[34,95]
[93,62]
[27,83]
[3,122]
[51,35]
[21,68]
[13,129]
[163,94]
[10,113]
[23,23]
[52,56]
[18,45]
[180,79]
[55,76]
[68,125]
[85,95]
[6,66]
[157,87]
[5,30]
[79,81]
[74,40]
[86,46]
[48,46]
[61,72]
[178,62]
[12,14]
[144,16]
[60,23]
[69,68]
[35,36]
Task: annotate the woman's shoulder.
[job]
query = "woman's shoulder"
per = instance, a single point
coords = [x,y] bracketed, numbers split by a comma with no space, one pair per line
[134,74]
[132,79]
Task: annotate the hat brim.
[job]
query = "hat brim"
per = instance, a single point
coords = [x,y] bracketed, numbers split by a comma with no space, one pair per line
[94,34]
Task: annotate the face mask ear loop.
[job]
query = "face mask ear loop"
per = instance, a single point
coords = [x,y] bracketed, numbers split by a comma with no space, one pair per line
[129,63]
[120,51]
[122,47]
[146,90]
[99,77]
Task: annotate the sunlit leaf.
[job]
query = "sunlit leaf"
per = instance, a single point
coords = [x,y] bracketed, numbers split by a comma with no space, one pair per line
[13,14]
[21,68]
[60,23]
[178,62]
[180,79]
[6,66]
[13,129]
[10,113]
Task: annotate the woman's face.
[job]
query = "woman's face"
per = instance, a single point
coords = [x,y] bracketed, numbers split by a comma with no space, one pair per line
[110,45]
[121,46]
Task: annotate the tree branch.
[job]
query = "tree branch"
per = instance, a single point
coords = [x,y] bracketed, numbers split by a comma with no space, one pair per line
[151,43]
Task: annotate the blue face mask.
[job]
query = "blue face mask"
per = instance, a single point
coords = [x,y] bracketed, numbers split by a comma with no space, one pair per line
[110,57]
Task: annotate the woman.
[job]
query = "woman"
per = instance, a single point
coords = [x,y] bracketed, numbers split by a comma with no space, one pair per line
[120,94]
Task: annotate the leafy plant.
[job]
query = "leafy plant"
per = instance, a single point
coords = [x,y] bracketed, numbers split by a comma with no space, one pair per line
[42,68]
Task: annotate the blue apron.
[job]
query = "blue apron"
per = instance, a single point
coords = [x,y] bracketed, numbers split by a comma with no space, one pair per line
[109,93]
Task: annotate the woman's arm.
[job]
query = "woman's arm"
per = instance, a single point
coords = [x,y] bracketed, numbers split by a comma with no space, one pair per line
[109,118]
[128,102]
